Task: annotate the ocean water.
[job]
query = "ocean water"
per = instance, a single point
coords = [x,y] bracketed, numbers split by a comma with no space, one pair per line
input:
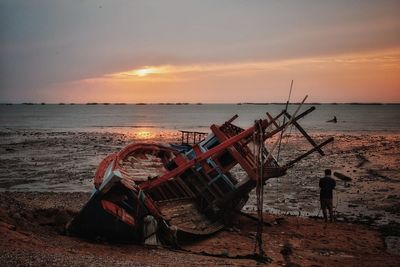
[123,118]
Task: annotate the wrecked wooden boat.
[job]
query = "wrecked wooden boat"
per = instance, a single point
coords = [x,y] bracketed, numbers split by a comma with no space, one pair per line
[151,193]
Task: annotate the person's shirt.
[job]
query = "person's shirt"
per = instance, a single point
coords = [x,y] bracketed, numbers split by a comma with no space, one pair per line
[327,184]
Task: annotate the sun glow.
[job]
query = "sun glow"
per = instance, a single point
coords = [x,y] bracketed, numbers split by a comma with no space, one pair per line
[145,72]
[141,73]
[145,134]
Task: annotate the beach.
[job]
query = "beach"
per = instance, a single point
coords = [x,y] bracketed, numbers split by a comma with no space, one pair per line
[32,235]
[47,177]
[99,101]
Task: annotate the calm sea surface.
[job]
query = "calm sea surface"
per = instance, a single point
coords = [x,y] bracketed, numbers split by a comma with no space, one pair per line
[122,118]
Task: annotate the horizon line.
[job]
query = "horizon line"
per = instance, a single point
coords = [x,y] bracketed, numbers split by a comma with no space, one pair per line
[196,103]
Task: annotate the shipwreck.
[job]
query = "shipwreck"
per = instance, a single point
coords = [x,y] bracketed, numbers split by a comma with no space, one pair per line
[153,193]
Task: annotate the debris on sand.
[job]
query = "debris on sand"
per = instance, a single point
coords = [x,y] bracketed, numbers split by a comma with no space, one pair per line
[342,176]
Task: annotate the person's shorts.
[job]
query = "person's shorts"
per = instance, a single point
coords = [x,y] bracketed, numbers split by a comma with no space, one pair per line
[326,203]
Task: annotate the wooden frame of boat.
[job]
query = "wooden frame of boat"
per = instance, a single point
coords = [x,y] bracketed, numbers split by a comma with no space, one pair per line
[188,193]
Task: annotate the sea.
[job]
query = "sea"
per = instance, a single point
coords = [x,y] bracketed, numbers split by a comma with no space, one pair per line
[351,118]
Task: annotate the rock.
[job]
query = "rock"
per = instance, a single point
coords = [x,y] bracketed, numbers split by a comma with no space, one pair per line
[393,244]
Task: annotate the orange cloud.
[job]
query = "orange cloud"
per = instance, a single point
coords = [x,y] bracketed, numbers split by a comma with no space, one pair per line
[364,77]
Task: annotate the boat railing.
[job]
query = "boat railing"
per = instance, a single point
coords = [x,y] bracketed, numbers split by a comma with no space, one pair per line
[192,138]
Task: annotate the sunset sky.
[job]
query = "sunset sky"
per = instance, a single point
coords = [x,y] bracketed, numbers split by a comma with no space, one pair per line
[223,51]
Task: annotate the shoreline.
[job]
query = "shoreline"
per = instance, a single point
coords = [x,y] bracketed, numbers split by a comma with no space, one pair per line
[195,103]
[171,133]
[50,161]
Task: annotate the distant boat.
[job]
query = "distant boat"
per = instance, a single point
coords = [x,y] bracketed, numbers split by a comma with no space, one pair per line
[334,120]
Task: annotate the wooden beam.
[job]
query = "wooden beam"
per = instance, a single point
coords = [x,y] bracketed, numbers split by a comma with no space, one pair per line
[233,118]
[238,157]
[291,163]
[272,119]
[305,135]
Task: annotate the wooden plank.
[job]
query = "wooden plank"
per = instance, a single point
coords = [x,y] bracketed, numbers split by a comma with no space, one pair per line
[172,190]
[238,157]
[184,187]
[204,178]
[234,117]
[305,135]
[190,183]
[161,191]
[290,164]
[272,120]
[213,186]
[179,189]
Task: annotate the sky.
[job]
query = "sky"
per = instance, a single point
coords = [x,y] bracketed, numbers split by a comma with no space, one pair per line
[209,51]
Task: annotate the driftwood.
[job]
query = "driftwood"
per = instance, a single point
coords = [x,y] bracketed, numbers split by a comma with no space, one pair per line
[343,177]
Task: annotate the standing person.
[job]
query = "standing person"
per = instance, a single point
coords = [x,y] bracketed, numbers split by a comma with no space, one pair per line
[327,184]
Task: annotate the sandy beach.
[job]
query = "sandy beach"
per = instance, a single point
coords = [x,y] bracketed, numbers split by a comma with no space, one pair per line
[82,82]
[367,207]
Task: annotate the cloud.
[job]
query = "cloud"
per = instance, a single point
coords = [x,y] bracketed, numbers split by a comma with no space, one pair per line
[342,78]
[388,58]
[46,42]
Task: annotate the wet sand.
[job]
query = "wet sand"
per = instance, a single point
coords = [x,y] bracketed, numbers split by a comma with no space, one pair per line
[32,222]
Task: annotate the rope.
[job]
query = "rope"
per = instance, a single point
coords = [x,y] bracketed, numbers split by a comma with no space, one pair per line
[255,143]
[258,248]
[284,117]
